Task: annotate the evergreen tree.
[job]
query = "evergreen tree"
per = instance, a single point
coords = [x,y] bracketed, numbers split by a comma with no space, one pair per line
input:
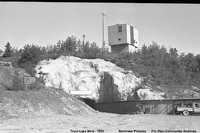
[30,54]
[8,50]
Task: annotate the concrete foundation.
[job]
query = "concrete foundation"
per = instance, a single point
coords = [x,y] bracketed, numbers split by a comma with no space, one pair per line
[122,48]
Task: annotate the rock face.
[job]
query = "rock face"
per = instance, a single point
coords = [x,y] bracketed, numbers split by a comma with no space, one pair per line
[107,81]
[147,94]
[108,91]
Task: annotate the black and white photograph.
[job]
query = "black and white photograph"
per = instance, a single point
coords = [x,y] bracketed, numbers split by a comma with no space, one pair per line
[95,67]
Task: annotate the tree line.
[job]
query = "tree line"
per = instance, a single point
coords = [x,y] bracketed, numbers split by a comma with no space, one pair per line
[156,63]
[167,66]
[28,56]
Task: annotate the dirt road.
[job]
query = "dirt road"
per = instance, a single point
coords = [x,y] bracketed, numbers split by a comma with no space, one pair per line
[103,123]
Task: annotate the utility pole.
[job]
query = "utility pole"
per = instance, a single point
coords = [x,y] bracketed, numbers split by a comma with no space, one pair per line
[103,42]
[84,38]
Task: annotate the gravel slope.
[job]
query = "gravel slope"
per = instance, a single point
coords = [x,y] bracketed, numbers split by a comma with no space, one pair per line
[44,102]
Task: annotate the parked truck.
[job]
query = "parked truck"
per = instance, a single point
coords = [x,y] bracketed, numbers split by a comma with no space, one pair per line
[187,109]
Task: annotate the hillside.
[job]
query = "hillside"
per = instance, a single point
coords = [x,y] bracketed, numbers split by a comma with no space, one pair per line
[159,70]
[15,101]
[40,103]
[10,76]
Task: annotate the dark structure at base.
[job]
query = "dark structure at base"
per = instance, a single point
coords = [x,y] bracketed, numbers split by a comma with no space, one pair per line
[162,106]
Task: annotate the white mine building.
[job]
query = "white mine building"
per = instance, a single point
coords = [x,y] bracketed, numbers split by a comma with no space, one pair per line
[123,38]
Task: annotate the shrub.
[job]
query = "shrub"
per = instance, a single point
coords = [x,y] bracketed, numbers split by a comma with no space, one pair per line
[15,64]
[17,83]
[95,66]
[30,55]
[35,86]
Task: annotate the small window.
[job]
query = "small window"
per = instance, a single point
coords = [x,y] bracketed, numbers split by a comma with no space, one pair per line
[119,28]
[119,39]
[197,105]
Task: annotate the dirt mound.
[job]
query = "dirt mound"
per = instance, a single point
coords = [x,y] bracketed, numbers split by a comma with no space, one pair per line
[40,103]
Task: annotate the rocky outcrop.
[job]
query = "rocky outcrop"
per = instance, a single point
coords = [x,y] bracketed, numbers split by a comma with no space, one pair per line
[107,81]
[110,92]
[148,93]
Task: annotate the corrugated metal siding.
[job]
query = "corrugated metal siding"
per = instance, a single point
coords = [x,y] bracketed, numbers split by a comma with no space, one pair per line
[149,106]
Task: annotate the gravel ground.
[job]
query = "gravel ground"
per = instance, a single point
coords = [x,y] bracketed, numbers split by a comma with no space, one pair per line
[102,123]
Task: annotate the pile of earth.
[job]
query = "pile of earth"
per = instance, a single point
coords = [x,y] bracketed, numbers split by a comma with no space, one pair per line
[42,102]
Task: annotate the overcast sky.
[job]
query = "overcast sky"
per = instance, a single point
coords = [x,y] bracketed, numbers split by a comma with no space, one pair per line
[42,23]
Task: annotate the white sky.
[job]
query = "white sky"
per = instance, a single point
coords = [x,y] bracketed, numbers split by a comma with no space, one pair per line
[42,23]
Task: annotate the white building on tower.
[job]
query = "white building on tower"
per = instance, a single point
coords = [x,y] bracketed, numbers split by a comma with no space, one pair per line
[123,38]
